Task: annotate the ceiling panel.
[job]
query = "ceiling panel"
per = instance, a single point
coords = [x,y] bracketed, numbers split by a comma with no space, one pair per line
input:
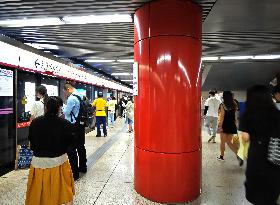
[240,75]
[230,27]
[80,42]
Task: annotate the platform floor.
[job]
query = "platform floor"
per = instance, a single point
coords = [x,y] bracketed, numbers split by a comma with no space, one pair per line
[110,176]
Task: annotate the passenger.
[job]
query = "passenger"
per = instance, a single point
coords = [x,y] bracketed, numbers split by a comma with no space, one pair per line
[50,180]
[260,121]
[111,111]
[227,123]
[211,111]
[276,95]
[100,106]
[71,112]
[37,109]
[130,113]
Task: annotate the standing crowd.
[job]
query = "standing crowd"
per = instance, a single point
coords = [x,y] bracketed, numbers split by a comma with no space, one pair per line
[259,142]
[57,139]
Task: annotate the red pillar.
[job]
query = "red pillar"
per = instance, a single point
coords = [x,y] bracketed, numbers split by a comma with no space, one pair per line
[167,36]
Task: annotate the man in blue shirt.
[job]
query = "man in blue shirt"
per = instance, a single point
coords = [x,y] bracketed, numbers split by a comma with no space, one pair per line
[71,112]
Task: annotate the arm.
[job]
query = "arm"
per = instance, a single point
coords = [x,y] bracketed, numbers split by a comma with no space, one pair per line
[221,117]
[69,107]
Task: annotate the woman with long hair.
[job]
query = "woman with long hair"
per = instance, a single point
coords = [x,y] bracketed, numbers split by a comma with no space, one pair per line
[227,123]
[50,180]
[260,122]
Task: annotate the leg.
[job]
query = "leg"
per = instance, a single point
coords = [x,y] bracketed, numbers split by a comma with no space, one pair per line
[214,127]
[223,144]
[109,119]
[113,119]
[232,146]
[73,159]
[98,122]
[104,126]
[207,124]
[82,150]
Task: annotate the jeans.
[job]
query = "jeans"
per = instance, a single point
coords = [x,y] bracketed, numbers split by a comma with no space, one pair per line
[211,125]
[111,118]
[101,120]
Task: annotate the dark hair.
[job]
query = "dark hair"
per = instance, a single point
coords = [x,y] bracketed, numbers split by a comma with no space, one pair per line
[52,107]
[212,93]
[42,90]
[59,100]
[228,100]
[130,98]
[67,86]
[100,94]
[276,89]
[113,98]
[260,109]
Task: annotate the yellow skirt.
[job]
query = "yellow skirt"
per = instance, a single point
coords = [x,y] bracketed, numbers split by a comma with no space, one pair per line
[53,186]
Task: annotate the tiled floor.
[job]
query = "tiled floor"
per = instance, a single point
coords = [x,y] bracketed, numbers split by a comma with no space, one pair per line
[110,180]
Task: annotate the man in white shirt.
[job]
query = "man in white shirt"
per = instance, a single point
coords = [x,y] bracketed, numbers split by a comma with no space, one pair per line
[212,105]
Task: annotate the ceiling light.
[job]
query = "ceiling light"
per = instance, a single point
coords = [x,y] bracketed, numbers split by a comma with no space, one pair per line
[99,61]
[43,46]
[210,58]
[31,22]
[236,57]
[116,74]
[127,80]
[97,19]
[47,51]
[126,60]
[34,45]
[266,57]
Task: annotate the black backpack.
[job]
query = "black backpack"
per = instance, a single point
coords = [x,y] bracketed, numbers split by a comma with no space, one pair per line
[85,112]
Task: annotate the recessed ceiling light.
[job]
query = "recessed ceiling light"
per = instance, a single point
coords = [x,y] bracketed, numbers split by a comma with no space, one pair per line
[97,19]
[266,57]
[43,46]
[126,60]
[99,61]
[236,57]
[210,58]
[124,74]
[31,22]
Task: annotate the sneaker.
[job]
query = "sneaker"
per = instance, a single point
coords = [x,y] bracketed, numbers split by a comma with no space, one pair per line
[240,161]
[211,138]
[221,158]
[98,135]
[105,135]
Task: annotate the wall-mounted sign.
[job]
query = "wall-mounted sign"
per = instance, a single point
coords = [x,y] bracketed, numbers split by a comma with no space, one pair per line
[27,60]
[135,78]
[6,83]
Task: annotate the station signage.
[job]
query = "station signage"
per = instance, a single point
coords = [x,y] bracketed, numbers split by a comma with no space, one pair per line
[26,60]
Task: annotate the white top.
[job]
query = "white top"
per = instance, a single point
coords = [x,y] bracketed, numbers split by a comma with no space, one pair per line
[47,163]
[37,109]
[111,105]
[213,106]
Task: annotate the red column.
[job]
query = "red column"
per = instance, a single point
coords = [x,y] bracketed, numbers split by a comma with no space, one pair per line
[167,36]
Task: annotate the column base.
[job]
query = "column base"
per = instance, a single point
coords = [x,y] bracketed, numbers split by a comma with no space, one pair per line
[167,178]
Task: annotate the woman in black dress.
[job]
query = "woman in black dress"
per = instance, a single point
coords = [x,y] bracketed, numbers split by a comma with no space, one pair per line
[227,123]
[260,121]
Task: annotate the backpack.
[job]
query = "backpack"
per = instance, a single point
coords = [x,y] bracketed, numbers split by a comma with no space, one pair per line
[85,112]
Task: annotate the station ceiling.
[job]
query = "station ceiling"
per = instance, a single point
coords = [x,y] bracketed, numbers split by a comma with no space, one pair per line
[230,27]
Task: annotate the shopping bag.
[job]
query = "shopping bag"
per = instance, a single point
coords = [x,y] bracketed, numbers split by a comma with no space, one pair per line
[243,149]
[23,157]
[235,140]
